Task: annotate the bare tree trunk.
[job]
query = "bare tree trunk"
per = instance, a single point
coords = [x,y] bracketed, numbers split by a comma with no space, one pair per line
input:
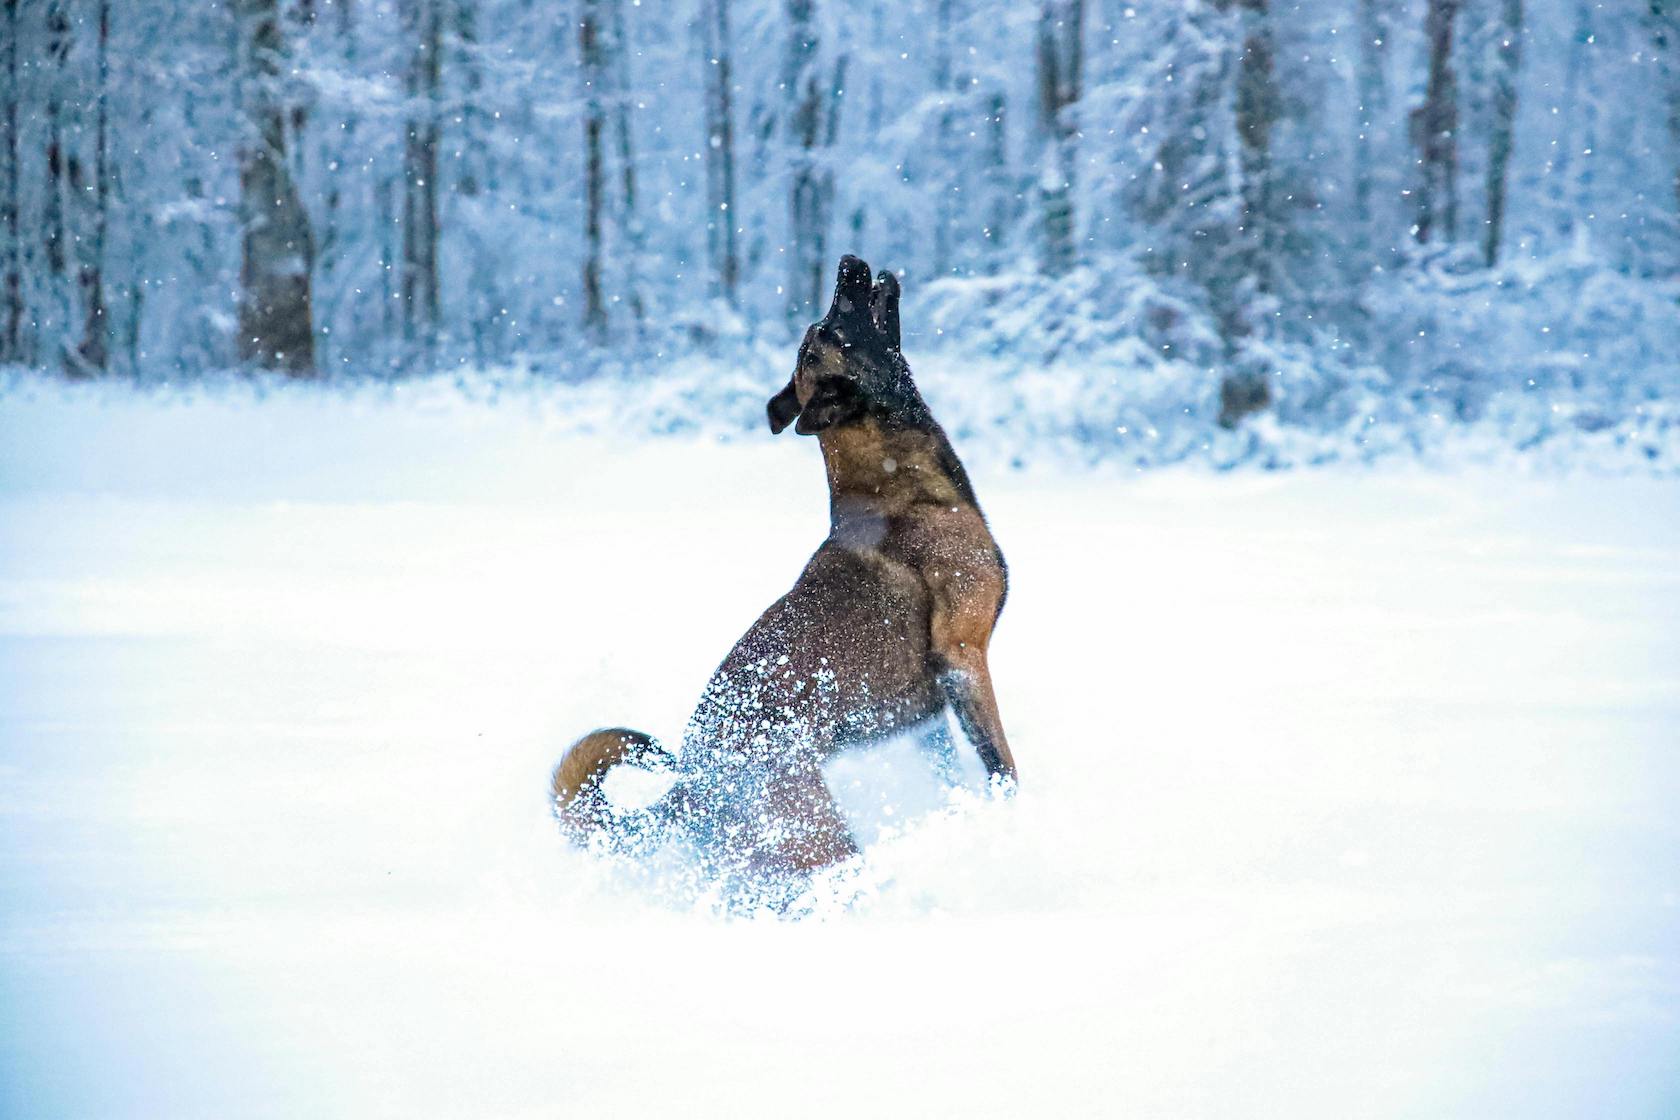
[476,172]
[630,221]
[1000,182]
[812,125]
[94,351]
[721,214]
[199,248]
[472,174]
[11,289]
[275,327]
[423,22]
[1060,65]
[1435,128]
[297,110]
[1504,127]
[594,124]
[127,330]
[385,214]
[944,159]
[1584,99]
[802,85]
[1257,107]
[339,149]
[1665,40]
[55,235]
[1372,99]
[874,112]
[1245,389]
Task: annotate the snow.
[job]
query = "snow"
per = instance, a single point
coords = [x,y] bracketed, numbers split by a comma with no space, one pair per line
[1345,792]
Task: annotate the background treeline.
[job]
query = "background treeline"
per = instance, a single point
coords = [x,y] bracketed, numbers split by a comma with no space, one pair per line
[1235,190]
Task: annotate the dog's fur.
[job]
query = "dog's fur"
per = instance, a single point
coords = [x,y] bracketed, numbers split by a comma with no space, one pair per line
[886,628]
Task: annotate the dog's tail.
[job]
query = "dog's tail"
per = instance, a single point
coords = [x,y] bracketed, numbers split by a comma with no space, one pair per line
[579,803]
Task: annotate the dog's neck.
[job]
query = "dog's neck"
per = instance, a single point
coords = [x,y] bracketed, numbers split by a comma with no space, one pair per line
[877,472]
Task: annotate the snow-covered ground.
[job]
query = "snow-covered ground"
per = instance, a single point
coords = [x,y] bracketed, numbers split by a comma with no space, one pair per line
[1345,793]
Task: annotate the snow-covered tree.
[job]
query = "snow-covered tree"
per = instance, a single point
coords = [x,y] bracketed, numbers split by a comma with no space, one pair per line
[1503,131]
[11,210]
[1061,57]
[277,250]
[423,21]
[1435,129]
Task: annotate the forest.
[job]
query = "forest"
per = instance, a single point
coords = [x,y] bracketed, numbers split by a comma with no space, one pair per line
[1350,217]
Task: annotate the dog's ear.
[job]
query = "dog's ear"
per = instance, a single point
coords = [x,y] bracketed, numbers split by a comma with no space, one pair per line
[883,307]
[851,290]
[783,408]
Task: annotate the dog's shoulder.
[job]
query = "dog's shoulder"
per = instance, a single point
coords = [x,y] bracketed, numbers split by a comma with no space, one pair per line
[951,550]
[938,536]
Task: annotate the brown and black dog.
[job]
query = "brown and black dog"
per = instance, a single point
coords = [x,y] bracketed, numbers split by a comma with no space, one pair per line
[886,628]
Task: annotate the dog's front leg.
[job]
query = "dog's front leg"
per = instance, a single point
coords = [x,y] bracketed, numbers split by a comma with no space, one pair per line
[965,607]
[934,739]
[967,685]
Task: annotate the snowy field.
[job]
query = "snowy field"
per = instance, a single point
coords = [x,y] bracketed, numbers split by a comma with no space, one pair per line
[1345,793]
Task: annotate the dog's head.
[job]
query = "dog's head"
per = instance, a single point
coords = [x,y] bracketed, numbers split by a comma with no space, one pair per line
[849,364]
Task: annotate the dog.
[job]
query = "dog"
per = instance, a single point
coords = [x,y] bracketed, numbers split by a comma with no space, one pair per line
[885,631]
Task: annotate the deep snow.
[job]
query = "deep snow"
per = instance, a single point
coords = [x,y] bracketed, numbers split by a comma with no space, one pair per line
[1345,793]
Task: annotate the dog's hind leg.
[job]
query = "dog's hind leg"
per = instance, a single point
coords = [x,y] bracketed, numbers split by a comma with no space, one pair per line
[804,829]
